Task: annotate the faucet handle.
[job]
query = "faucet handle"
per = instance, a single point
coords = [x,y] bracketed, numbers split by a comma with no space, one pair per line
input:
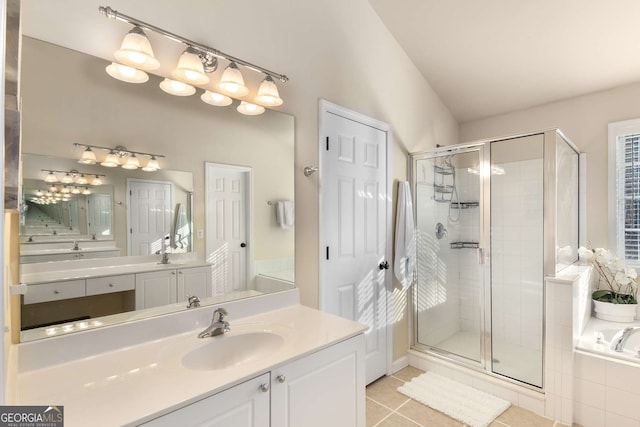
[221,313]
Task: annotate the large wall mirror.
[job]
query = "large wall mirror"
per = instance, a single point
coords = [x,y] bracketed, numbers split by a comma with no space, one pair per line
[67,98]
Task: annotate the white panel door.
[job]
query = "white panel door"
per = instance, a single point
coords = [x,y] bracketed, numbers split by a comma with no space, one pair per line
[99,215]
[354,231]
[149,215]
[226,218]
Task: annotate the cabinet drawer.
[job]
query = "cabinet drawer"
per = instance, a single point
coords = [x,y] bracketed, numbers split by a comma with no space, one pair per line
[54,291]
[109,284]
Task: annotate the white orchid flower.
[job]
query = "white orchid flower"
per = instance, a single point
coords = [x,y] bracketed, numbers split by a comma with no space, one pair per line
[622,278]
[585,254]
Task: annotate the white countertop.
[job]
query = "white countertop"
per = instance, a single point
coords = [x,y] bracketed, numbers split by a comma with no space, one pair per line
[140,382]
[83,269]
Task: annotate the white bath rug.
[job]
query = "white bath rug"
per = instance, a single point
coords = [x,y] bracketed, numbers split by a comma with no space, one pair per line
[470,406]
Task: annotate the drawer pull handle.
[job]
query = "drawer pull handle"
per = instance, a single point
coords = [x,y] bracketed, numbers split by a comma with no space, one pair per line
[264,388]
[56,292]
[281,378]
[111,285]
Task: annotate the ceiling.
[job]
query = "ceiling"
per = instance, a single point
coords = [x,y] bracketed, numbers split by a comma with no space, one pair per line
[494,56]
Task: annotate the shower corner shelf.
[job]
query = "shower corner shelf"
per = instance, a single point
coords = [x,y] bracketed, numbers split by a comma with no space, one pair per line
[440,170]
[464,205]
[465,245]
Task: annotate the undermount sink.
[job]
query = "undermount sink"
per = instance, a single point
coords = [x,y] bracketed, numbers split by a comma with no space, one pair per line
[227,350]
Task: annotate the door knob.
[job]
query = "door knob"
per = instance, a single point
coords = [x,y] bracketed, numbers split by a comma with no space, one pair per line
[384,265]
[243,245]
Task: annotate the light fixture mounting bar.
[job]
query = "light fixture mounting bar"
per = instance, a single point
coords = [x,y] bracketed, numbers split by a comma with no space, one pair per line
[118,149]
[114,14]
[74,172]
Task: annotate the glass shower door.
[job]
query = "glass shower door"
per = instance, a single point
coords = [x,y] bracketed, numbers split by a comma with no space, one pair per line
[450,281]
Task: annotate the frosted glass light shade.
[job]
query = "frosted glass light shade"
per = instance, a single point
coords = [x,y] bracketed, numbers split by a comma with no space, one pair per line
[67,179]
[268,93]
[96,181]
[111,161]
[126,73]
[75,190]
[136,51]
[50,178]
[152,165]
[190,69]
[86,191]
[232,81]
[250,109]
[88,157]
[65,190]
[217,99]
[132,163]
[82,180]
[174,87]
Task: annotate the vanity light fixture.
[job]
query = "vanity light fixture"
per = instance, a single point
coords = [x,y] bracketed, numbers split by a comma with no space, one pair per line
[86,191]
[65,190]
[122,156]
[81,180]
[39,193]
[190,68]
[67,178]
[75,190]
[268,93]
[196,61]
[70,177]
[53,189]
[250,109]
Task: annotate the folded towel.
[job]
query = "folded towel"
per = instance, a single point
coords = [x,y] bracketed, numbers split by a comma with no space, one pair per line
[285,214]
[405,245]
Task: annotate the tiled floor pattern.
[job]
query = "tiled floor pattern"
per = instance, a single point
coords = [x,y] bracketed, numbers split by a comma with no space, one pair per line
[387,407]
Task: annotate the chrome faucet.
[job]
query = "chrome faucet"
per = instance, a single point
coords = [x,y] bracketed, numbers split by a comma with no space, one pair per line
[621,337]
[193,301]
[165,254]
[218,325]
[75,246]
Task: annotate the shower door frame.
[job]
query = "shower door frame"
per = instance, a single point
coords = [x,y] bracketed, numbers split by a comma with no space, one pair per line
[484,155]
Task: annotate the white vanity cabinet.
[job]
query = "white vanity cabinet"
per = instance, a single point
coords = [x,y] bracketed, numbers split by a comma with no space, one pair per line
[245,405]
[169,286]
[55,291]
[323,389]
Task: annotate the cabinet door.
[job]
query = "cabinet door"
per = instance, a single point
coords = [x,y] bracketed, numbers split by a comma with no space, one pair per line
[194,281]
[155,288]
[324,389]
[245,405]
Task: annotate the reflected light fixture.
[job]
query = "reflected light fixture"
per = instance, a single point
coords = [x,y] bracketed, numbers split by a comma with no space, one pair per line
[232,81]
[177,88]
[190,68]
[250,109]
[96,181]
[67,178]
[39,193]
[50,178]
[65,190]
[75,190]
[268,93]
[111,161]
[214,98]
[86,191]
[136,51]
[126,73]
[132,163]
[82,180]
[88,157]
[152,165]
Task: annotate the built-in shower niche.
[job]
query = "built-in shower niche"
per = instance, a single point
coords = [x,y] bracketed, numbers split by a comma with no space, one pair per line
[485,246]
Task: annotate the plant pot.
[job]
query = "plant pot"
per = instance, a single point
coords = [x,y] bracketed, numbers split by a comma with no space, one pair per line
[624,313]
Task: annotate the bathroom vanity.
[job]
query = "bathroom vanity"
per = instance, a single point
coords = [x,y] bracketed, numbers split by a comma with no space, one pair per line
[277,359]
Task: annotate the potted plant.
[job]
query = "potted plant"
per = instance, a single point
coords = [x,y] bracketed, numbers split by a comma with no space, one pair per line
[616,297]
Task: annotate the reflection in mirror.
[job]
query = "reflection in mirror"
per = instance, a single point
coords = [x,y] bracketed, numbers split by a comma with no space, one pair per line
[77,102]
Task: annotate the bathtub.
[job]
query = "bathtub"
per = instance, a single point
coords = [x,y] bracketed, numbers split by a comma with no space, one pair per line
[605,330]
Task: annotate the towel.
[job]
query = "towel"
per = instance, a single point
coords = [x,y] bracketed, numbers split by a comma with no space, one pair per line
[285,214]
[405,248]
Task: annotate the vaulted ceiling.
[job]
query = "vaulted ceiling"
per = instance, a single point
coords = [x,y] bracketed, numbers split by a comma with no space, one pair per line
[494,56]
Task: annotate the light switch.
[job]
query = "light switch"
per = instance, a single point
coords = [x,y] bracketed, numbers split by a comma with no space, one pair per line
[200,234]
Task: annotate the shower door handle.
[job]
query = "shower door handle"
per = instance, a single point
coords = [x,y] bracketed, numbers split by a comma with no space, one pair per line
[480,255]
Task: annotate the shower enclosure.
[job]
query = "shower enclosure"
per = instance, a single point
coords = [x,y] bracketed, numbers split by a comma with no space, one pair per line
[493,218]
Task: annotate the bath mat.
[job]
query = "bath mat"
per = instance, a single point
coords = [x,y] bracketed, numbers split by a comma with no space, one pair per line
[470,406]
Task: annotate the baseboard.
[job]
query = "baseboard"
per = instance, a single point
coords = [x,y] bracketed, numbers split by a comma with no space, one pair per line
[399,364]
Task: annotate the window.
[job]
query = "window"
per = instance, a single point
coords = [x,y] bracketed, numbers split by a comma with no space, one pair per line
[624,189]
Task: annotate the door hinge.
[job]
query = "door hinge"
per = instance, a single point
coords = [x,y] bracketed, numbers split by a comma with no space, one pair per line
[131,231]
[327,143]
[327,252]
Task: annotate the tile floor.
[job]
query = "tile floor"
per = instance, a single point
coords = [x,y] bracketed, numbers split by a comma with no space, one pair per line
[387,407]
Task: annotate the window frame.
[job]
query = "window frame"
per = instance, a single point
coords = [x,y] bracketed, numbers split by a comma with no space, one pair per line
[616,214]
